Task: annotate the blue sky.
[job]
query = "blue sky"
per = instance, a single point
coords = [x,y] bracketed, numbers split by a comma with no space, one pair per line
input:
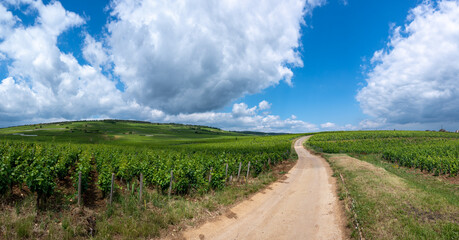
[290,66]
[335,43]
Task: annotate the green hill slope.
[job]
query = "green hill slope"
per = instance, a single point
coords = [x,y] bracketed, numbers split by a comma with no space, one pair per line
[117,132]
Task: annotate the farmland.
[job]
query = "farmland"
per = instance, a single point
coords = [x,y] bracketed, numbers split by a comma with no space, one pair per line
[191,172]
[116,132]
[40,167]
[37,165]
[434,152]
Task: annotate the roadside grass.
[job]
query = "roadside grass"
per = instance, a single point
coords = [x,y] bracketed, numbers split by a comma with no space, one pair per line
[392,202]
[160,216]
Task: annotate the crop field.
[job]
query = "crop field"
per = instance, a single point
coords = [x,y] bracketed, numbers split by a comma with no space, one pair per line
[39,165]
[116,132]
[434,152]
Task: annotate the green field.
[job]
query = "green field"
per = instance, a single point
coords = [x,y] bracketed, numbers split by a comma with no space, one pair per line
[436,152]
[37,155]
[116,132]
[40,165]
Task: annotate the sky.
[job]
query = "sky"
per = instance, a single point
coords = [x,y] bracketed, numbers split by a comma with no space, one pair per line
[272,66]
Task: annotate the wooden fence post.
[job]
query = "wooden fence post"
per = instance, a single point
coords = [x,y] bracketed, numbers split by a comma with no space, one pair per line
[269,162]
[141,188]
[248,170]
[79,188]
[111,188]
[226,173]
[239,171]
[170,183]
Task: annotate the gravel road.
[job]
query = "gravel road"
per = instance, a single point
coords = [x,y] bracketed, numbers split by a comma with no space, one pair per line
[304,205]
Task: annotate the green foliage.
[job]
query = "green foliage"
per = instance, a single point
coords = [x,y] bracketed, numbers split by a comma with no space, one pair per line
[84,166]
[116,132]
[435,152]
[5,174]
[40,178]
[39,165]
[68,155]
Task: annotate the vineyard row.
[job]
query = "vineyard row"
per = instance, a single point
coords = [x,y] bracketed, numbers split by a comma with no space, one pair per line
[39,165]
[431,151]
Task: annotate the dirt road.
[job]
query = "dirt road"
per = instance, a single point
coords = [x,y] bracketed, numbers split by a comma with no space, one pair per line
[302,206]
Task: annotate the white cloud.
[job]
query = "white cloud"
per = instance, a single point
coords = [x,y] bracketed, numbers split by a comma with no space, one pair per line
[328,125]
[179,62]
[416,79]
[367,124]
[7,20]
[196,56]
[241,109]
[381,124]
[94,52]
[54,19]
[45,83]
[264,105]
[373,124]
[249,120]
[16,96]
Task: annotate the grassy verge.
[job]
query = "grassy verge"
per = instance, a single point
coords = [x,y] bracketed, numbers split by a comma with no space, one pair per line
[160,216]
[392,202]
[156,216]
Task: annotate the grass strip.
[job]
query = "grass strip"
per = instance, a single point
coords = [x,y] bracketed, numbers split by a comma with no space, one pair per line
[393,202]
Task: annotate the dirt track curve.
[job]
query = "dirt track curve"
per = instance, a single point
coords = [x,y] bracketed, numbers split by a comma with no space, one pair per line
[302,206]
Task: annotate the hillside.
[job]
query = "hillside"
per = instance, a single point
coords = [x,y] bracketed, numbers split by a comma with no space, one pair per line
[117,132]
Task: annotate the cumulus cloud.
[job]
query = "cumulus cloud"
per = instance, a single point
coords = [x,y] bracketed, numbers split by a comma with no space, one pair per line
[250,120]
[328,125]
[241,109]
[94,52]
[373,123]
[416,78]
[366,124]
[196,56]
[179,62]
[7,20]
[43,82]
[264,105]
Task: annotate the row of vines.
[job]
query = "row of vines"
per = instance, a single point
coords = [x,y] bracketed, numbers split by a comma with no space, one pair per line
[435,152]
[39,165]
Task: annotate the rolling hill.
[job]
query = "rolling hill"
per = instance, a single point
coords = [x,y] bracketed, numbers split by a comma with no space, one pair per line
[119,132]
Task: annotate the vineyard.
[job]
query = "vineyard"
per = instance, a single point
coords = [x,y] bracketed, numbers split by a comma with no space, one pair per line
[38,166]
[435,152]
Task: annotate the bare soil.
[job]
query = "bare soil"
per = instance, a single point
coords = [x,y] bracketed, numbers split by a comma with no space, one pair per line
[302,205]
